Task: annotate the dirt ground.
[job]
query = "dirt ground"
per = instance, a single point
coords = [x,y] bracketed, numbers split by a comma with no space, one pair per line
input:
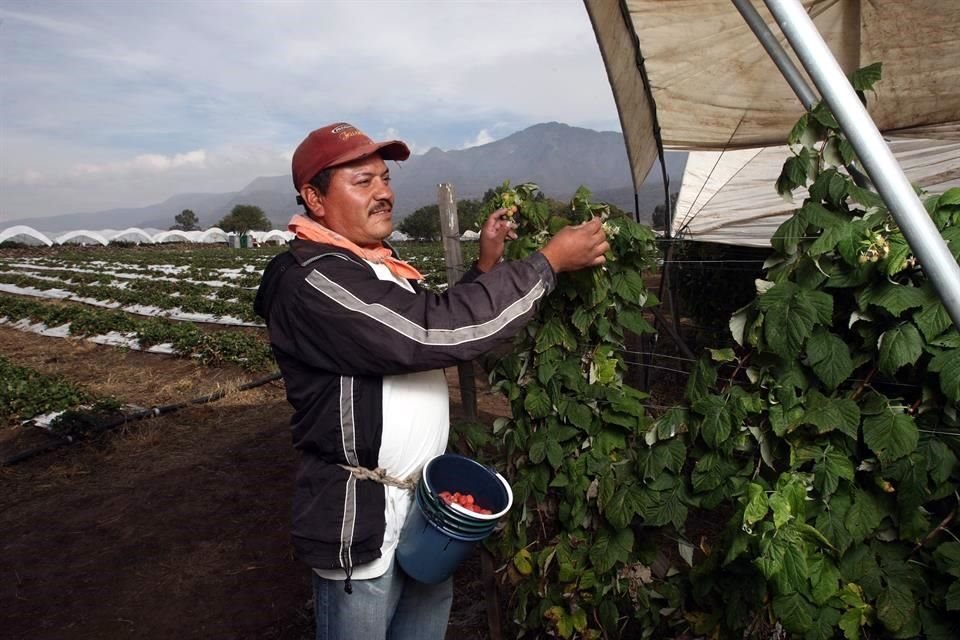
[174,527]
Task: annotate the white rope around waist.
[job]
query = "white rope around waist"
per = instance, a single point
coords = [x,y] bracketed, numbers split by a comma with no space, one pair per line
[379,475]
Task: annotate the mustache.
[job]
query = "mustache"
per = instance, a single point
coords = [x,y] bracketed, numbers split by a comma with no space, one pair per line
[381,207]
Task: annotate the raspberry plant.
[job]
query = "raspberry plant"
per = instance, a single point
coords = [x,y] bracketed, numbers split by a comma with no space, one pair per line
[576,426]
[807,487]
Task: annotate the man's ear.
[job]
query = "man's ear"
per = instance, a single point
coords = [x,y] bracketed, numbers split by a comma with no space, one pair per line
[313,200]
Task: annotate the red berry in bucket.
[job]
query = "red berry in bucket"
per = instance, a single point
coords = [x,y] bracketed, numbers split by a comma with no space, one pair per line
[465,500]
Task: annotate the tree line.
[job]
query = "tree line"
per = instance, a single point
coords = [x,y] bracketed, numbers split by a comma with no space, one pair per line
[241,219]
[423,224]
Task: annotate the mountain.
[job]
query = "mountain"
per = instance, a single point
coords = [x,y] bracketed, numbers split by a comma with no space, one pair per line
[557,157]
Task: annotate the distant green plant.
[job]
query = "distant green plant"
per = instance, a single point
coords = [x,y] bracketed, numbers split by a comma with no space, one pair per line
[26,393]
[245,217]
[187,339]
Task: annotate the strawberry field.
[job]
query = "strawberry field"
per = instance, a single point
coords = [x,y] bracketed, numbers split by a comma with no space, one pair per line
[190,498]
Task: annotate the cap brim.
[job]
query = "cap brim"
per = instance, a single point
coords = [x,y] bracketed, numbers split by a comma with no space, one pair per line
[389,150]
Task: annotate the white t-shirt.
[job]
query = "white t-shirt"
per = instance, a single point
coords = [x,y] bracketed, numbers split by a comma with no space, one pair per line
[416,425]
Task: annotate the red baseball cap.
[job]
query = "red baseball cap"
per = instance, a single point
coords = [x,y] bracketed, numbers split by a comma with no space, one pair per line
[335,144]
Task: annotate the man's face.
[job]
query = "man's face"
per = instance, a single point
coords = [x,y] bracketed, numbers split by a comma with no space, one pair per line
[359,201]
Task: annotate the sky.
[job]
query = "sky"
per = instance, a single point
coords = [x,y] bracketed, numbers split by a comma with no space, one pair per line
[124,103]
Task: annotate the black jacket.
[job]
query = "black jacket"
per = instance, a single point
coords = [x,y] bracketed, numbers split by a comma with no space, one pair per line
[336,330]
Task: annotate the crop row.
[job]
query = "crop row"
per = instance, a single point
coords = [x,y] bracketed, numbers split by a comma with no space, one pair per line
[160,295]
[199,256]
[244,276]
[25,393]
[186,339]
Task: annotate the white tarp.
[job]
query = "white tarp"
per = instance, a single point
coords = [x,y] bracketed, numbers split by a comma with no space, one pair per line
[716,88]
[730,197]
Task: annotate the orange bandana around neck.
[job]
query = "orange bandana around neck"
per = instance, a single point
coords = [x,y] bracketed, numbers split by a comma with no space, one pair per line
[307,229]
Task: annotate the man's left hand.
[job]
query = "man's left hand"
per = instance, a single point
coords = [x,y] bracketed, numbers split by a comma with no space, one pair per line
[495,232]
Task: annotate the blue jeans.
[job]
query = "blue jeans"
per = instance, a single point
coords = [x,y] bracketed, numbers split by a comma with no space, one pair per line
[391,607]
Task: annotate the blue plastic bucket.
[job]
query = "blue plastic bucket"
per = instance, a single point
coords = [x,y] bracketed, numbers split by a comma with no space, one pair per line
[435,538]
[452,472]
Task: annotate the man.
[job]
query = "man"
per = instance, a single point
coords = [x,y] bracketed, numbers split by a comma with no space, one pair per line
[361,347]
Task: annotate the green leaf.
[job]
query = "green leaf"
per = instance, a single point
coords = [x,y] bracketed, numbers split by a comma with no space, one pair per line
[864,196]
[828,414]
[781,509]
[794,612]
[830,469]
[952,237]
[583,318]
[829,357]
[933,319]
[665,507]
[821,112]
[703,376]
[634,322]
[947,557]
[899,346]
[554,333]
[863,516]
[538,448]
[953,596]
[790,317]
[795,570]
[829,240]
[850,623]
[890,435]
[824,625]
[831,522]
[847,152]
[537,402]
[788,235]
[711,470]
[896,260]
[824,579]
[950,197]
[611,547]
[580,415]
[629,286]
[674,421]
[757,505]
[554,454]
[545,372]
[669,455]
[717,423]
[623,505]
[947,364]
[797,131]
[940,463]
[864,78]
[722,355]
[609,440]
[523,562]
[821,217]
[895,606]
[893,297]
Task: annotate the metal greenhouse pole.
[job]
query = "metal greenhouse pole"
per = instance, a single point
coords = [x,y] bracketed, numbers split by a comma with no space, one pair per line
[789,70]
[877,159]
[780,58]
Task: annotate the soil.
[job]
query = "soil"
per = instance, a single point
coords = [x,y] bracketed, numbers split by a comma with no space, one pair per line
[174,527]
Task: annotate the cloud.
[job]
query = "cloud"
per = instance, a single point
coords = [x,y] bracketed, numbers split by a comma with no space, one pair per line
[145,163]
[483,137]
[212,92]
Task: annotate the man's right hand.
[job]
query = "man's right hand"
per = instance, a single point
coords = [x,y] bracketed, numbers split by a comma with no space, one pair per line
[578,247]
